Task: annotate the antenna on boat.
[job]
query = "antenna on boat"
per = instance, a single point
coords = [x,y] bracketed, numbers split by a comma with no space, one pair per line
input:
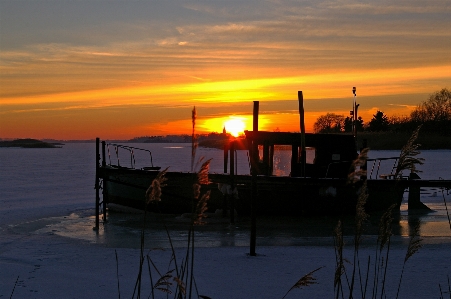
[355,107]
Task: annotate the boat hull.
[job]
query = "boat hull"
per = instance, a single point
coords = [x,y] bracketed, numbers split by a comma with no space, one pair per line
[275,195]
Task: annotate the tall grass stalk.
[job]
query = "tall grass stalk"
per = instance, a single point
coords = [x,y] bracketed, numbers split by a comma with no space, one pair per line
[446,208]
[360,217]
[383,246]
[153,194]
[382,255]
[358,171]
[117,275]
[449,290]
[14,288]
[339,260]
[415,244]
[193,137]
[182,277]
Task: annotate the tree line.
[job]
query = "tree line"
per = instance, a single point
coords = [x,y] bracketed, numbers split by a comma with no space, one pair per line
[434,114]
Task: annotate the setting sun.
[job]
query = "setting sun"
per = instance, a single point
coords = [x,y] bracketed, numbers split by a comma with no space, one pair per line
[235,126]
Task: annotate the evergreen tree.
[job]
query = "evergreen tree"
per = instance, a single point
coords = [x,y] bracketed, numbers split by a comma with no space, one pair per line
[379,122]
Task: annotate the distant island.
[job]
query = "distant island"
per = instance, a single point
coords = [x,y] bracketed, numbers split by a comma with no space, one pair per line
[29,143]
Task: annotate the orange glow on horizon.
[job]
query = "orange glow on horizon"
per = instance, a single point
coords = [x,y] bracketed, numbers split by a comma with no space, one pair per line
[142,73]
[333,84]
[91,113]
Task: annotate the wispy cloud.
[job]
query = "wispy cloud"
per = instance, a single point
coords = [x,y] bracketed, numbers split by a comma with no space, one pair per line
[96,55]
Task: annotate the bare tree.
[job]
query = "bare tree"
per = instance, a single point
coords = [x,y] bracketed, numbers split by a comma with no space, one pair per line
[436,108]
[329,123]
[435,112]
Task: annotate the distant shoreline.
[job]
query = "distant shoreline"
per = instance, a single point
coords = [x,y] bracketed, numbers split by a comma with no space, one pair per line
[29,143]
[374,140]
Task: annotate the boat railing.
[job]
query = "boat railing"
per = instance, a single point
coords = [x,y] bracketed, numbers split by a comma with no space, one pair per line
[131,150]
[376,167]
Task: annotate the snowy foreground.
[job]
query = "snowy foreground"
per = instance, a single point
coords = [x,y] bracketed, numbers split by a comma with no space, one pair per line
[51,266]
[44,258]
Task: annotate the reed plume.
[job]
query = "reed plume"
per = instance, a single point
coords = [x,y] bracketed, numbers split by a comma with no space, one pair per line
[163,283]
[304,281]
[360,214]
[357,167]
[201,208]
[385,227]
[202,174]
[415,242]
[153,193]
[407,160]
[180,285]
[201,205]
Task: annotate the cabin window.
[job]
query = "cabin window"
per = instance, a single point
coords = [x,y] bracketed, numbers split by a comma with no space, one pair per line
[282,160]
[276,160]
[310,155]
[260,153]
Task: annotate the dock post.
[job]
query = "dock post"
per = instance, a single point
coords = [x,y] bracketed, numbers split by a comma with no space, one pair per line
[97,186]
[104,181]
[254,162]
[232,183]
[226,165]
[226,155]
[414,202]
[302,125]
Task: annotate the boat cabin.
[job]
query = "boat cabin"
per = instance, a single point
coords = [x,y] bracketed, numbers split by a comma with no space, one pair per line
[326,155]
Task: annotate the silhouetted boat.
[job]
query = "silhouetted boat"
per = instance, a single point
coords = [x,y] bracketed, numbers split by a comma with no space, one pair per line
[316,181]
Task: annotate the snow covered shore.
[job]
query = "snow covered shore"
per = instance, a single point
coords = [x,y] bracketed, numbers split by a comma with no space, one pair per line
[51,266]
[47,251]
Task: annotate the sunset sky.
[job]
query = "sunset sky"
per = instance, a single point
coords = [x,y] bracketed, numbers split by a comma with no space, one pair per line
[121,69]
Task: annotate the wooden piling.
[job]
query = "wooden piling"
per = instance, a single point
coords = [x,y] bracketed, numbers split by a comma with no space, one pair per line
[104,181]
[302,124]
[414,200]
[254,165]
[97,184]
[232,183]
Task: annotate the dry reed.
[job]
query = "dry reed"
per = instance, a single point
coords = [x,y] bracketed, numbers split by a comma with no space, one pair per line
[194,143]
[163,283]
[304,281]
[357,167]
[153,193]
[339,259]
[407,160]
